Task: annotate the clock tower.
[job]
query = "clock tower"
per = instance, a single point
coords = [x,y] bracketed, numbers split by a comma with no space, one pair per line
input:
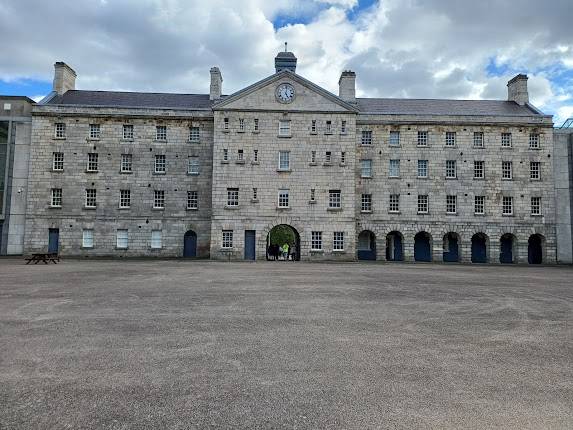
[285,61]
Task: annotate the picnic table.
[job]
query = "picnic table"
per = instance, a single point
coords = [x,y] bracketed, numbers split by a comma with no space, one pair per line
[45,257]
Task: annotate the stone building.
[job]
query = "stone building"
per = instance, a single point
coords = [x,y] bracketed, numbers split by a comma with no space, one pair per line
[208,175]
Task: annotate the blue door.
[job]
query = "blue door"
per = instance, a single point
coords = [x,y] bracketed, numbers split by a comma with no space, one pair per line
[535,250]
[452,254]
[422,251]
[190,244]
[249,244]
[53,240]
[506,252]
[394,247]
[479,253]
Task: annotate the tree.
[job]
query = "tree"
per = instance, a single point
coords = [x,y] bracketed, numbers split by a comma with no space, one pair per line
[282,234]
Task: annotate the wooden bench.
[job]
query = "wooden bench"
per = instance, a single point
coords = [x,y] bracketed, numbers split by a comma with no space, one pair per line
[43,257]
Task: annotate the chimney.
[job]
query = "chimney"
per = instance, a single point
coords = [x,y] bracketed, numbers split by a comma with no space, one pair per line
[216,88]
[517,90]
[64,78]
[347,86]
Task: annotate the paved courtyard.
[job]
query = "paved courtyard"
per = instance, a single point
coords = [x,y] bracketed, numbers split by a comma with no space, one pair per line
[200,344]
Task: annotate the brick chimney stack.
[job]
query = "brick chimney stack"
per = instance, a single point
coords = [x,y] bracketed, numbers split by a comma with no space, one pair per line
[64,78]
[517,90]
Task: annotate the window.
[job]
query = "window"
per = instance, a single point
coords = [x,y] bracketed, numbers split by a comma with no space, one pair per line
[194,134]
[451,169]
[394,170]
[312,195]
[128,131]
[451,203]
[284,128]
[161,132]
[160,164]
[256,155]
[534,141]
[126,162]
[366,137]
[534,170]
[328,129]
[535,205]
[193,165]
[58,161]
[394,204]
[343,157]
[87,238]
[479,205]
[95,131]
[255,194]
[328,157]
[283,198]
[241,124]
[506,140]
[478,139]
[343,127]
[60,130]
[450,138]
[124,199]
[92,162]
[422,168]
[225,155]
[338,241]
[366,204]
[91,195]
[334,199]
[256,124]
[423,204]
[395,138]
[313,157]
[506,170]
[158,199]
[284,160]
[240,155]
[316,241]
[507,205]
[232,197]
[225,123]
[366,168]
[156,236]
[422,138]
[192,200]
[56,201]
[479,171]
[122,239]
[227,239]
[313,126]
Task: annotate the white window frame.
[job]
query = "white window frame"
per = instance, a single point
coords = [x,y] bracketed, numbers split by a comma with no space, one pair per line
[316,241]
[506,140]
[394,203]
[158,199]
[193,166]
[342,157]
[366,138]
[451,169]
[312,195]
[334,199]
[58,161]
[423,204]
[536,206]
[124,199]
[479,205]
[394,168]
[338,241]
[366,203]
[535,170]
[87,238]
[366,168]
[160,165]
[95,131]
[451,204]
[156,239]
[394,138]
[284,127]
[422,138]
[91,198]
[233,197]
[56,196]
[328,157]
[192,200]
[283,199]
[313,157]
[450,138]
[507,205]
[328,127]
[227,239]
[127,131]
[225,154]
[60,130]
[284,160]
[122,238]
[534,141]
[479,169]
[225,123]
[241,124]
[506,170]
[255,193]
[194,134]
[126,164]
[161,133]
[479,139]
[422,168]
[93,159]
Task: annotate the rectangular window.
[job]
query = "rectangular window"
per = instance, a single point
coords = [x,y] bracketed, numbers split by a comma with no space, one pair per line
[328,157]
[507,205]
[158,199]
[124,198]
[451,169]
[284,128]
[366,137]
[313,156]
[256,155]
[394,169]
[225,155]
[91,195]
[284,160]
[122,239]
[450,138]
[192,200]
[506,170]
[283,198]
[126,162]
[479,171]
[535,205]
[338,241]
[343,157]
[60,130]
[366,168]
[194,134]
[156,239]
[343,127]
[423,204]
[255,194]
[366,204]
[534,170]
[161,132]
[92,162]
[334,199]
[316,241]
[451,203]
[95,131]
[58,161]
[193,165]
[534,141]
[225,123]
[56,200]
[128,132]
[313,126]
[256,124]
[395,138]
[394,203]
[506,140]
[160,164]
[422,168]
[328,129]
[232,197]
[422,138]
[478,139]
[312,194]
[241,124]
[87,238]
[240,155]
[479,205]
[227,239]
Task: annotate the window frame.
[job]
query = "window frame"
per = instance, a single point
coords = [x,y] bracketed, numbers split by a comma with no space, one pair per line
[507,170]
[283,199]
[93,162]
[127,131]
[479,169]
[87,238]
[60,130]
[479,201]
[535,170]
[423,202]
[158,199]
[126,163]
[286,166]
[422,138]
[192,200]
[124,199]
[58,161]
[194,134]
[120,239]
[316,241]
[284,128]
[507,202]
[535,208]
[338,241]
[450,139]
[451,169]
[479,139]
[193,165]
[451,203]
[334,199]
[366,203]
[232,197]
[160,164]
[90,198]
[423,167]
[394,172]
[366,168]
[157,241]
[227,239]
[394,203]
[161,133]
[56,195]
[394,138]
[366,138]
[94,131]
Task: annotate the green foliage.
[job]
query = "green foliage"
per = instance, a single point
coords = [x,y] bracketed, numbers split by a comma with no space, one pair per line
[282,234]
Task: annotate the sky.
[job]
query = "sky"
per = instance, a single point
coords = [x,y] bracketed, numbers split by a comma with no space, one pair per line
[462,49]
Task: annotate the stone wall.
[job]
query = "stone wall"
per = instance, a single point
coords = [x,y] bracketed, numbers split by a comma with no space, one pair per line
[563,162]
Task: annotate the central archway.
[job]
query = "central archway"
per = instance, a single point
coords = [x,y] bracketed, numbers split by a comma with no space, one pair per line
[423,247]
[479,248]
[394,246]
[277,237]
[451,248]
[507,252]
[366,245]
[190,244]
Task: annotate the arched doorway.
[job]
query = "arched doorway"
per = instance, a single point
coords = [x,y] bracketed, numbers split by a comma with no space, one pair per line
[394,246]
[366,245]
[535,249]
[451,248]
[277,237]
[506,248]
[423,247]
[479,248]
[190,244]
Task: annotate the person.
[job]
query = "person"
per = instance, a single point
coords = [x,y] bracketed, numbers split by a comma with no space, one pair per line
[285,251]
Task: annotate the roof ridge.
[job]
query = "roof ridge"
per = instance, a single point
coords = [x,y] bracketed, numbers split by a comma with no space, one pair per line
[432,99]
[139,92]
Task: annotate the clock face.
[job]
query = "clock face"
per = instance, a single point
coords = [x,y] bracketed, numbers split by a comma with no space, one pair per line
[285,93]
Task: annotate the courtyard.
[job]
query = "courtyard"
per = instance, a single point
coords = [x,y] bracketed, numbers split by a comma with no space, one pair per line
[112,344]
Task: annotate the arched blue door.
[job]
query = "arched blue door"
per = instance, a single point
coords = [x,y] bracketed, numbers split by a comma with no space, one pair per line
[190,244]
[479,248]
[422,247]
[366,245]
[394,247]
[506,249]
[535,250]
[451,248]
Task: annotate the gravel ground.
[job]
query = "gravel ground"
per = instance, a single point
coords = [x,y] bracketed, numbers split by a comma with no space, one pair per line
[199,344]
